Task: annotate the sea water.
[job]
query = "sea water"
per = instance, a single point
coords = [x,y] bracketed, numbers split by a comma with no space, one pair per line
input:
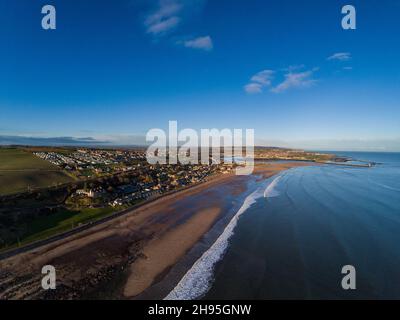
[295,232]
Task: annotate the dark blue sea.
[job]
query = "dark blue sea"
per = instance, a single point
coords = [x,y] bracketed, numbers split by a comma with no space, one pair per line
[297,230]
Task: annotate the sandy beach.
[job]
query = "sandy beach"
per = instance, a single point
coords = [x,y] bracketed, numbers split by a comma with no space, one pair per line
[142,245]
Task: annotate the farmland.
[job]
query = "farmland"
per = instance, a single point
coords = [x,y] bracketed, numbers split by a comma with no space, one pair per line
[21,171]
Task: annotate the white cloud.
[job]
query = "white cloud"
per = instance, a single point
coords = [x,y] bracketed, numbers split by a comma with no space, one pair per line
[292,76]
[253,88]
[163,26]
[296,80]
[340,56]
[263,77]
[203,43]
[259,81]
[294,68]
[165,18]
[169,14]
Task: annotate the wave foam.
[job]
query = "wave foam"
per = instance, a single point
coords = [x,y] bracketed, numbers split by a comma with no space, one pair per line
[270,191]
[197,281]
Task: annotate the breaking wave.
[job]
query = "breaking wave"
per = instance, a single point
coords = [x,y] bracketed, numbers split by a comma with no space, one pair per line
[197,281]
[270,191]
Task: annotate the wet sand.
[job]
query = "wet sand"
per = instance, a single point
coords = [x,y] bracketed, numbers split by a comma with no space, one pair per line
[162,253]
[144,244]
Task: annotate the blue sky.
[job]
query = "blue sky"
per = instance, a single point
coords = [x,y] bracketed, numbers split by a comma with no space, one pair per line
[112,70]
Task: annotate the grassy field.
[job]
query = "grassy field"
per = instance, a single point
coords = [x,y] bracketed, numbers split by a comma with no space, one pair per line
[59,222]
[21,170]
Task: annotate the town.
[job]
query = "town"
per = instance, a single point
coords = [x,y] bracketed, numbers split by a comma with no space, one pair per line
[72,186]
[54,189]
[123,177]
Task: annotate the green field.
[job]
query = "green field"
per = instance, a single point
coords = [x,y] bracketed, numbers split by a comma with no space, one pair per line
[59,222]
[21,170]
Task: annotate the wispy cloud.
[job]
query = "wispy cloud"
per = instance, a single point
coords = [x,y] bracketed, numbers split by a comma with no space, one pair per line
[259,81]
[340,56]
[294,68]
[29,140]
[293,78]
[165,18]
[296,80]
[168,15]
[263,77]
[253,88]
[202,43]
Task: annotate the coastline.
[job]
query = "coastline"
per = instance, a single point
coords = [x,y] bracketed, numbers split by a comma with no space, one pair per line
[9,252]
[146,244]
[163,288]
